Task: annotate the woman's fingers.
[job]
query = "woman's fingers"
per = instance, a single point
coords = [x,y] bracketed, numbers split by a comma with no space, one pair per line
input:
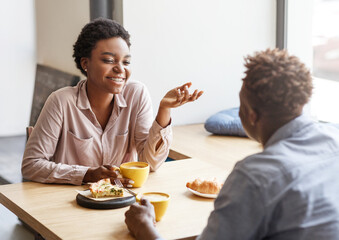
[182,95]
[188,85]
[184,86]
[187,93]
[191,97]
[112,168]
[196,95]
[126,182]
[178,92]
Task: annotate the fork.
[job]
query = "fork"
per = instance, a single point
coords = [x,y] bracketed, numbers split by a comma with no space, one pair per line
[119,184]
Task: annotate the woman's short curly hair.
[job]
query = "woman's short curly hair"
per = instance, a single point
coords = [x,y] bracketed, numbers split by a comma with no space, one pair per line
[96,30]
[277,82]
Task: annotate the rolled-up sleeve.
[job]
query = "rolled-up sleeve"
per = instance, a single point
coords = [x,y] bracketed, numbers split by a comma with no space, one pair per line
[148,133]
[156,156]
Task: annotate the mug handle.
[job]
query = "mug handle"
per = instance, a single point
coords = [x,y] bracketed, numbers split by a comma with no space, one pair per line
[115,168]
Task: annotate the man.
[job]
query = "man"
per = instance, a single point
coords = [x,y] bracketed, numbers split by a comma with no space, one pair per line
[291,189]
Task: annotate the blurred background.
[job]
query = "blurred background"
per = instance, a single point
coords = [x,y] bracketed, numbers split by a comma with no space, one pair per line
[172,42]
[325,60]
[325,38]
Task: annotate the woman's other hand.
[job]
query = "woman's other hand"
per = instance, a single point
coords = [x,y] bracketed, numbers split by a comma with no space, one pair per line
[179,96]
[140,220]
[95,174]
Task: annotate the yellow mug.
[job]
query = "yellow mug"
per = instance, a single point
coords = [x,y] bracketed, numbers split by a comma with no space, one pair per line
[136,171]
[159,201]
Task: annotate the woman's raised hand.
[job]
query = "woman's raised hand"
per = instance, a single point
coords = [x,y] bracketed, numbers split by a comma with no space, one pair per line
[179,96]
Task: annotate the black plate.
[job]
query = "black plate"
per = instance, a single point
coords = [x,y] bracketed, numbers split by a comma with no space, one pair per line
[109,204]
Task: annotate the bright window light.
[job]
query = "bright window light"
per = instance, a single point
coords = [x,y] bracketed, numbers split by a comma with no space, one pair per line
[325,40]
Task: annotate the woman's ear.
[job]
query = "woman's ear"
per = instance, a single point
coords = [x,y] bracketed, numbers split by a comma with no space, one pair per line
[84,63]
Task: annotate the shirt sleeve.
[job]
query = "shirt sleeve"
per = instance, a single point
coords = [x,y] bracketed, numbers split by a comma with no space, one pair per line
[38,164]
[238,211]
[148,134]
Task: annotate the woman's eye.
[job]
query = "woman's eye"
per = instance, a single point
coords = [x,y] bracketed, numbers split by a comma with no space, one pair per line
[127,62]
[108,61]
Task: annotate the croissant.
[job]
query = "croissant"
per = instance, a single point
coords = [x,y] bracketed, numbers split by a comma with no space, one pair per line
[205,186]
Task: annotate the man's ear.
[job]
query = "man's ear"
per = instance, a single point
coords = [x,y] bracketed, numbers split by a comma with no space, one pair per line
[84,62]
[253,116]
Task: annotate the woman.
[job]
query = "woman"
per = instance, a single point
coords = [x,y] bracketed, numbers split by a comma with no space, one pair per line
[106,120]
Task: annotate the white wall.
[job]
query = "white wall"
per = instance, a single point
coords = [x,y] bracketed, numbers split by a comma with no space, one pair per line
[200,41]
[172,42]
[40,31]
[58,26]
[17,65]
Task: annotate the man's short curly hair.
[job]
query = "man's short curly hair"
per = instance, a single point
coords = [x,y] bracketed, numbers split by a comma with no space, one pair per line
[278,83]
[96,30]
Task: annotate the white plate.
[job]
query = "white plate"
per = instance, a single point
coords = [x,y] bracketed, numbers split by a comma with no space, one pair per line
[205,195]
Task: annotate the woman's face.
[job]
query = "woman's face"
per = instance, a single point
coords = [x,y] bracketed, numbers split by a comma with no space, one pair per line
[108,67]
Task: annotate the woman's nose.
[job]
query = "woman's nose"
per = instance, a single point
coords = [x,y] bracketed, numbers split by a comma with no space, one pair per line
[118,68]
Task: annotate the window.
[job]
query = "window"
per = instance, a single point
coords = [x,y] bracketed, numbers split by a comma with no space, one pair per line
[325,39]
[325,43]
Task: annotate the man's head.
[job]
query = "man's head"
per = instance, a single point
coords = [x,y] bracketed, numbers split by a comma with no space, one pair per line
[275,89]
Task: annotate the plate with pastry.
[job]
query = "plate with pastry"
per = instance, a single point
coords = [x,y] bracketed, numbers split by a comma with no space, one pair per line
[204,188]
[104,195]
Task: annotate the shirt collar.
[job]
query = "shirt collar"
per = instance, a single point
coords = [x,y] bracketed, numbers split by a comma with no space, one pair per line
[120,100]
[83,102]
[289,129]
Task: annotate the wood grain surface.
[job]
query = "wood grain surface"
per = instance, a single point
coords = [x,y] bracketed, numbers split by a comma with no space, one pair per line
[195,142]
[52,210]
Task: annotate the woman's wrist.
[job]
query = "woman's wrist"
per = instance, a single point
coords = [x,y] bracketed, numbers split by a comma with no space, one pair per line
[164,116]
[88,176]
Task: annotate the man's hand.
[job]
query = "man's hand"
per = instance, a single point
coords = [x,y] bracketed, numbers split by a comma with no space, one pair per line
[140,220]
[105,171]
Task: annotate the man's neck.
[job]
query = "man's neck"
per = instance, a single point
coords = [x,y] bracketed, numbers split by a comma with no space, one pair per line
[269,126]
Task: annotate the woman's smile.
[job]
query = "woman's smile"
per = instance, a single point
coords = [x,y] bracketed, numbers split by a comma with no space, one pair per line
[116,79]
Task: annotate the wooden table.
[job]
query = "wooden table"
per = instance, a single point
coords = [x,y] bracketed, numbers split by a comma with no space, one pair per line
[52,211]
[193,141]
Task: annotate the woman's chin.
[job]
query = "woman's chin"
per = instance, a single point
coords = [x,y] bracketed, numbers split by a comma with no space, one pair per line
[117,88]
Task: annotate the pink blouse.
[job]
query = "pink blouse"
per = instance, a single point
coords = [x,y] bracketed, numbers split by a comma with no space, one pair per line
[67,138]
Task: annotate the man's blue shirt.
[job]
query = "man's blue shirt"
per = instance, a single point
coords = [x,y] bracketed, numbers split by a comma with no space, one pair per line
[288,191]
